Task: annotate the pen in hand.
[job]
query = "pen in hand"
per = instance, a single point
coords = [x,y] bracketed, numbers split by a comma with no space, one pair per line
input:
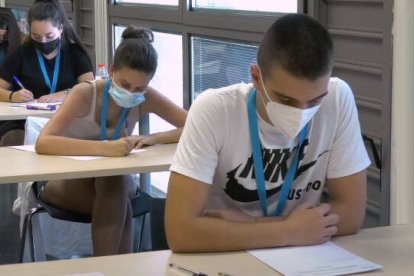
[25,95]
[191,272]
[18,82]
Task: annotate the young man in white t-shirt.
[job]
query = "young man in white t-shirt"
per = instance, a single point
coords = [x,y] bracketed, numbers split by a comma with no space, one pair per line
[231,191]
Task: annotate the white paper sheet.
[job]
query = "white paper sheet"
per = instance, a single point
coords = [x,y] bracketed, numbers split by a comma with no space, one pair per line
[31,148]
[326,259]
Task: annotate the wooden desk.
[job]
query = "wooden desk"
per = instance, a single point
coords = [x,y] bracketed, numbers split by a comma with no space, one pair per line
[23,166]
[392,247]
[8,112]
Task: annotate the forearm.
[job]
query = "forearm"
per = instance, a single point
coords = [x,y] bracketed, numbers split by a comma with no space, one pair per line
[59,145]
[190,227]
[350,217]
[206,234]
[167,137]
[348,199]
[5,95]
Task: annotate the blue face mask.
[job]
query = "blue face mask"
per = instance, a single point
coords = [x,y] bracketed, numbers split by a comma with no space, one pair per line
[124,98]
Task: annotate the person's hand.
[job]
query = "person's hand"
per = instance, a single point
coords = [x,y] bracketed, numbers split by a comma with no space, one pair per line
[144,140]
[311,225]
[230,214]
[21,96]
[120,147]
[52,98]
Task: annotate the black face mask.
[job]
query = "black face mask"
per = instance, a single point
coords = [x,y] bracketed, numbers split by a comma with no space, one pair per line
[47,47]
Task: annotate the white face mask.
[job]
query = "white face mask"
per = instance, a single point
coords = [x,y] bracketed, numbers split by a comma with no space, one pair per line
[290,120]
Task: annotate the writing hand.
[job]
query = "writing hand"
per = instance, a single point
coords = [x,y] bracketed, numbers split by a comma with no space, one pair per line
[22,95]
[120,147]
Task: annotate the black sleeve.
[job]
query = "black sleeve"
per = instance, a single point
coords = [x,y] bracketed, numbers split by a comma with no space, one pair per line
[81,63]
[12,65]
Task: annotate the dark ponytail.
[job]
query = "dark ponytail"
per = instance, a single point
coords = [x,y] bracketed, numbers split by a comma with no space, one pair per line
[136,51]
[53,11]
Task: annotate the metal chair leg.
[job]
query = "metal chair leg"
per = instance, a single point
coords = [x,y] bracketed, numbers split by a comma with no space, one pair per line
[23,241]
[33,212]
[141,232]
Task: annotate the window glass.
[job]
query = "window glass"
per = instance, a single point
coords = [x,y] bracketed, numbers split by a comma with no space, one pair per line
[152,2]
[21,17]
[218,63]
[168,79]
[285,6]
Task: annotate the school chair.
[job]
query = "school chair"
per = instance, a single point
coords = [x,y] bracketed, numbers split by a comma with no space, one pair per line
[158,238]
[140,207]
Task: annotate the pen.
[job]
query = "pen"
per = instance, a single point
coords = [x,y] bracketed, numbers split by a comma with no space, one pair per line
[18,82]
[48,107]
[173,265]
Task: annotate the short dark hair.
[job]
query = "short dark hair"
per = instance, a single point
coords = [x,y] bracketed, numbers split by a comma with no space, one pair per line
[136,51]
[299,44]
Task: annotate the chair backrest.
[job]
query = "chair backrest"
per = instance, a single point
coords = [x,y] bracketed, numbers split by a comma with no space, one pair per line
[158,238]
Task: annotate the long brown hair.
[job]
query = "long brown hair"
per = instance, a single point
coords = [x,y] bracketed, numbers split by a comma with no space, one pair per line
[8,22]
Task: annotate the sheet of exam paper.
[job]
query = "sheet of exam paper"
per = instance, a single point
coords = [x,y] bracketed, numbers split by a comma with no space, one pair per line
[326,259]
[31,148]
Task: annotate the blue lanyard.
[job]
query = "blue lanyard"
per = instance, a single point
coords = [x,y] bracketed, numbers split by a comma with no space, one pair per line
[258,160]
[45,74]
[104,113]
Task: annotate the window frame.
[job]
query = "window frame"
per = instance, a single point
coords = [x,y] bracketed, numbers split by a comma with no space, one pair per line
[240,26]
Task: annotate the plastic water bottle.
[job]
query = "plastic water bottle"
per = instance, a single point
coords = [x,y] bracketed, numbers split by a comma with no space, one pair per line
[101,72]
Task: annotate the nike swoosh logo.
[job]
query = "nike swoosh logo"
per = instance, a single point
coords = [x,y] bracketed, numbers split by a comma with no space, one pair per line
[239,193]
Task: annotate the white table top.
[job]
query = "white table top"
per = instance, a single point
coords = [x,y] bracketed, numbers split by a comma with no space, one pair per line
[8,112]
[22,166]
[392,247]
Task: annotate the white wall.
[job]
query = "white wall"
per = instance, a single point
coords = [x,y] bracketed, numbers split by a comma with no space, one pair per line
[402,135]
[101,32]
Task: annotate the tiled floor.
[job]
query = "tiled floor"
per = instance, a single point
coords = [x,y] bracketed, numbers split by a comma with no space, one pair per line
[9,225]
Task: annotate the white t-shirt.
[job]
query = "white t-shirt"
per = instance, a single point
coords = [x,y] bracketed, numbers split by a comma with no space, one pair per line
[215,148]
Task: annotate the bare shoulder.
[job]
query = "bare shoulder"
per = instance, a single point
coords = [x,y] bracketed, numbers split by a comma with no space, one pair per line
[79,98]
[85,87]
[155,98]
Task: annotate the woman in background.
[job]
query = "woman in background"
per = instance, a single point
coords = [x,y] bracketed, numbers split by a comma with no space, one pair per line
[48,64]
[97,118]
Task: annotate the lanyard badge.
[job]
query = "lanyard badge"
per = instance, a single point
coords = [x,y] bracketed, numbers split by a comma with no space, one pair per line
[52,86]
[104,113]
[258,160]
